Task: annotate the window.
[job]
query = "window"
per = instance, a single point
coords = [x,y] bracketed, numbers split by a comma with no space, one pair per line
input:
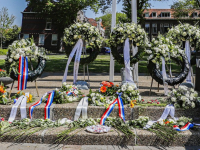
[195,14]
[166,26]
[161,28]
[54,39]
[171,25]
[41,39]
[48,24]
[147,27]
[146,15]
[165,14]
[26,36]
[154,14]
[154,28]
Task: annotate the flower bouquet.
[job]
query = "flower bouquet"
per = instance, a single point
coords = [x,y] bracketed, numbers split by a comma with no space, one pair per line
[139,123]
[183,97]
[3,73]
[96,99]
[108,88]
[67,94]
[129,92]
[30,98]
[3,95]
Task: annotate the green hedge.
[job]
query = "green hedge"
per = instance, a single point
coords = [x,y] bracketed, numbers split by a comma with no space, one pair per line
[3,51]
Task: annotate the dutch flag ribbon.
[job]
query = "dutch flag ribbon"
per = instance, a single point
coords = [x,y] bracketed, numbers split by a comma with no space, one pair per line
[23,73]
[185,128]
[34,105]
[48,105]
[111,107]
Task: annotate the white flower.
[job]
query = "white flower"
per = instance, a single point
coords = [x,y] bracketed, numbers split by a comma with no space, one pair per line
[10,60]
[184,34]
[123,88]
[92,94]
[193,105]
[70,99]
[16,57]
[64,84]
[173,99]
[75,92]
[130,88]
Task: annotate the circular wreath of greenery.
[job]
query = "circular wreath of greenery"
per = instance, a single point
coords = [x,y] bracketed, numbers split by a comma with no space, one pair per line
[25,47]
[183,32]
[89,34]
[137,36]
[157,75]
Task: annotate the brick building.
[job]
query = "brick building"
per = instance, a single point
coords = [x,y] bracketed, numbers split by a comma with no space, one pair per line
[44,31]
[160,20]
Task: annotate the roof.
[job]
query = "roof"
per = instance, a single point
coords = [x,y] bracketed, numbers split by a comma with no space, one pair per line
[159,11]
[92,22]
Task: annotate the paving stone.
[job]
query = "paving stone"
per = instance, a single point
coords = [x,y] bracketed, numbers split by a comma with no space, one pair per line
[94,147]
[49,147]
[114,147]
[72,147]
[17,146]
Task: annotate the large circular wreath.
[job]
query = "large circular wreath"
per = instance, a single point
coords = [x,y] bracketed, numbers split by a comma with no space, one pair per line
[157,74]
[163,47]
[25,47]
[137,37]
[87,33]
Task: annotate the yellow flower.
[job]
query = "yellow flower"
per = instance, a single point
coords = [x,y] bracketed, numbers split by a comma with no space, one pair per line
[4,96]
[133,103]
[30,97]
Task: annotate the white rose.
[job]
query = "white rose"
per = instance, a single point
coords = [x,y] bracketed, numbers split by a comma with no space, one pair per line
[70,99]
[16,57]
[130,88]
[75,92]
[184,34]
[64,84]
[92,94]
[10,60]
[173,99]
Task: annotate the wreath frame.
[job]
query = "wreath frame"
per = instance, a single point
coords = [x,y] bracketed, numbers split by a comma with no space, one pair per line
[89,34]
[156,74]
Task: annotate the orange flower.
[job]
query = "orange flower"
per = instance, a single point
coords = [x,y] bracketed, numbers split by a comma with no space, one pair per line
[166,122]
[103,89]
[133,103]
[117,85]
[1,89]
[104,83]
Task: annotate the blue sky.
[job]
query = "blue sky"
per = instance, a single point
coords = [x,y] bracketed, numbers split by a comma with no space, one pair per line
[15,7]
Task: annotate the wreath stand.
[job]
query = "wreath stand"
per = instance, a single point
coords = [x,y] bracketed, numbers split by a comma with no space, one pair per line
[84,53]
[36,87]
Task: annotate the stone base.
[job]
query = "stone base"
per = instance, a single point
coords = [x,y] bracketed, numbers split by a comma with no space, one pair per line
[6,80]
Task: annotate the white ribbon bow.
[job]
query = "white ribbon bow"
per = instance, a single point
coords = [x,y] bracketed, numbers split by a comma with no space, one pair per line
[187,52]
[164,74]
[82,106]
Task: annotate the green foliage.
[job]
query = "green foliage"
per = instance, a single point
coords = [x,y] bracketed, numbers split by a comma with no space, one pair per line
[5,23]
[62,12]
[106,20]
[3,51]
[12,34]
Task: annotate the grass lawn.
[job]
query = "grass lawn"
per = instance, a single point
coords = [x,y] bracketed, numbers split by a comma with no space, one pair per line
[57,63]
[3,51]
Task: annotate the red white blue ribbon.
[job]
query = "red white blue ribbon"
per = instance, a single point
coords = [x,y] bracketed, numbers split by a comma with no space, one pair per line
[110,108]
[23,73]
[48,105]
[34,105]
[185,128]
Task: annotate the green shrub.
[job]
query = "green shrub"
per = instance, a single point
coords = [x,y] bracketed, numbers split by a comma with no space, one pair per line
[3,51]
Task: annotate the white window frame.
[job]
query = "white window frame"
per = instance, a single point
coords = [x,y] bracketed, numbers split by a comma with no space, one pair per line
[154,25]
[164,13]
[40,39]
[152,14]
[26,36]
[48,21]
[54,40]
[149,27]
[195,13]
[145,14]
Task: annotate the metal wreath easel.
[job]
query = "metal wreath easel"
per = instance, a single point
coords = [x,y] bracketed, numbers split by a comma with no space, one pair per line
[84,53]
[34,80]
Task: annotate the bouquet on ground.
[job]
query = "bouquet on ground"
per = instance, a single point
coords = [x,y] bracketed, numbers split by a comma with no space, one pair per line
[128,93]
[108,88]
[3,95]
[30,98]
[3,73]
[96,99]
[139,123]
[183,97]
[67,94]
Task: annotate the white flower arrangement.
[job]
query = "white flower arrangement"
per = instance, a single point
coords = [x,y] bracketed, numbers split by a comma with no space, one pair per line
[96,99]
[183,97]
[163,47]
[129,92]
[129,30]
[24,47]
[83,31]
[183,32]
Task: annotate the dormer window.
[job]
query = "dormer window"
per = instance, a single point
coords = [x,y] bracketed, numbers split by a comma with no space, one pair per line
[48,24]
[195,14]
[146,15]
[154,14]
[165,14]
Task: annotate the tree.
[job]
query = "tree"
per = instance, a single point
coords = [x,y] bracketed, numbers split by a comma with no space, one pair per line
[5,22]
[106,20]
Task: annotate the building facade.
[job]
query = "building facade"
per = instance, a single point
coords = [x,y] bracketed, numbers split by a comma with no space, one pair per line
[45,32]
[159,21]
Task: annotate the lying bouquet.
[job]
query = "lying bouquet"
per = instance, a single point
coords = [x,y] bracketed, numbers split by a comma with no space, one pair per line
[30,98]
[139,123]
[183,97]
[3,95]
[3,73]
[129,92]
[108,88]
[96,99]
[67,94]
